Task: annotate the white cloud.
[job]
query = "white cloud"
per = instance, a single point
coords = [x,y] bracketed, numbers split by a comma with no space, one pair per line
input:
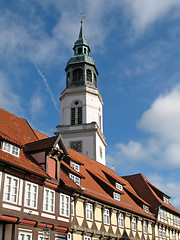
[143,13]
[36,104]
[8,99]
[163,117]
[162,122]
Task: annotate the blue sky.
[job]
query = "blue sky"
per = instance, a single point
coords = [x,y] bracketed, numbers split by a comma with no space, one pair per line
[135,45]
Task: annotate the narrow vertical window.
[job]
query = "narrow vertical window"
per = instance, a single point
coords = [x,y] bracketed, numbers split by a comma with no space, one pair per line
[49,200]
[121,220]
[76,113]
[31,194]
[64,205]
[73,116]
[106,216]
[79,115]
[133,224]
[89,211]
[145,227]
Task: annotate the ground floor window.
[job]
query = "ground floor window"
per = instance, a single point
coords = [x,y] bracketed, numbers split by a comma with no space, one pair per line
[24,236]
[42,237]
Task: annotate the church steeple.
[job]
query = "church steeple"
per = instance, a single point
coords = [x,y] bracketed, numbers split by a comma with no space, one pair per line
[81,69]
[81,104]
[81,45]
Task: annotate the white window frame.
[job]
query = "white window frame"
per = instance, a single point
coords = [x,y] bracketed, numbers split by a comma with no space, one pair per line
[0,180]
[134,224]
[106,216]
[146,208]
[174,235]
[12,149]
[75,179]
[49,200]
[160,232]
[166,199]
[64,209]
[11,189]
[164,233]
[42,237]
[145,227]
[69,236]
[31,196]
[117,196]
[119,186]
[25,234]
[75,166]
[121,220]
[87,238]
[89,211]
[72,206]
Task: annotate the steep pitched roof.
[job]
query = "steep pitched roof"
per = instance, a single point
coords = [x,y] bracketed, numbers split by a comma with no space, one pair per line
[149,192]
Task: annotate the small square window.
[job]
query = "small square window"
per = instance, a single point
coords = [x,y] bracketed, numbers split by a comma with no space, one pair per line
[119,186]
[117,196]
[75,179]
[75,166]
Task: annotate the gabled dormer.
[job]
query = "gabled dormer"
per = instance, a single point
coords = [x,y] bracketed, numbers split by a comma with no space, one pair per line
[48,153]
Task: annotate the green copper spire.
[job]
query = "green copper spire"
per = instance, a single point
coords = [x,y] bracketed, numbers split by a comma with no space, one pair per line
[81,43]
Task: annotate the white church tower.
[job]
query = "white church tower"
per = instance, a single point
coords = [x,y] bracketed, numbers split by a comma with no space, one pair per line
[81,105]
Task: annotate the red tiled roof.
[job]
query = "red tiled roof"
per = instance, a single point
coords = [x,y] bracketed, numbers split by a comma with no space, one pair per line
[40,135]
[92,187]
[22,162]
[16,128]
[40,144]
[147,191]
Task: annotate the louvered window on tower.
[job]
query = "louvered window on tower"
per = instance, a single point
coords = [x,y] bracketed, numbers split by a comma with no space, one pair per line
[76,113]
[79,115]
[73,116]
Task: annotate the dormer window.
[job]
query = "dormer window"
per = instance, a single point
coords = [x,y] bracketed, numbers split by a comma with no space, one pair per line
[75,179]
[75,166]
[12,149]
[146,209]
[117,196]
[166,199]
[119,186]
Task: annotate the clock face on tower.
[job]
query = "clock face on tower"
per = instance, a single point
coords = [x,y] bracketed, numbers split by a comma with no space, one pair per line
[76,145]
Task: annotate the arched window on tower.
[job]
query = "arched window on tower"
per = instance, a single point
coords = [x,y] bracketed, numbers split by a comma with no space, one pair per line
[95,80]
[80,50]
[68,79]
[77,75]
[89,75]
[76,112]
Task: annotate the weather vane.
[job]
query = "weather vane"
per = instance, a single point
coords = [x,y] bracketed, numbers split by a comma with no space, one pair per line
[82,16]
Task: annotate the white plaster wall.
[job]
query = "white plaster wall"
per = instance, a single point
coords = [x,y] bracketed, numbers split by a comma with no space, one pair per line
[92,107]
[88,139]
[99,144]
[66,107]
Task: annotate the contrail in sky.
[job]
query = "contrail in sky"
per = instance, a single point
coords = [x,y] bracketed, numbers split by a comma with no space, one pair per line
[47,88]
